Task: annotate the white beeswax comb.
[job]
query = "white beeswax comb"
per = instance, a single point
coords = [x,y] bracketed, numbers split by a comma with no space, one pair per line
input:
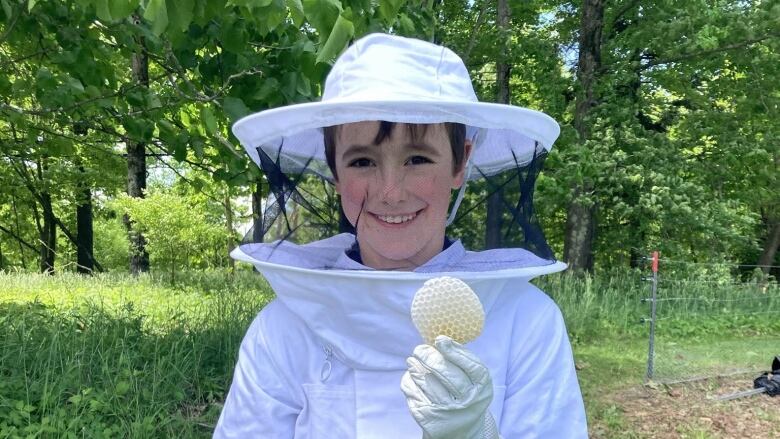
[447,306]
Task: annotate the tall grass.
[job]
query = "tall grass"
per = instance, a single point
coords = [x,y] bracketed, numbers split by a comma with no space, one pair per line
[687,307]
[597,305]
[705,325]
[115,356]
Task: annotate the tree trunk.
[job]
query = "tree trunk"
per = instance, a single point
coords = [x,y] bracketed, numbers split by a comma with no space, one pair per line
[580,227]
[229,224]
[581,214]
[257,211]
[136,173]
[493,220]
[47,230]
[494,203]
[85,261]
[771,245]
[48,236]
[18,231]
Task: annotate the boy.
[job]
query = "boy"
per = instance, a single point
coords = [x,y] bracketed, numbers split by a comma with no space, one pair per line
[336,354]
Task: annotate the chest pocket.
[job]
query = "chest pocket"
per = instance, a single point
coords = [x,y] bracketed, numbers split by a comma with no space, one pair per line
[329,412]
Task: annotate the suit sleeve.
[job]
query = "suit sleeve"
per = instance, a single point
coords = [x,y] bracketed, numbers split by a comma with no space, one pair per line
[543,398]
[261,401]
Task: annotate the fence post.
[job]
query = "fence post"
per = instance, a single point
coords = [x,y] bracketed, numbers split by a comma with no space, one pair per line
[651,343]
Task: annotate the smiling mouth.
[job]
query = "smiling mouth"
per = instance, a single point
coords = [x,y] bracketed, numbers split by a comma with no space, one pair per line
[396,219]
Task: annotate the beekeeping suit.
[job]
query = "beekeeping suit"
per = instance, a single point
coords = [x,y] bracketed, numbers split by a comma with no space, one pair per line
[326,358]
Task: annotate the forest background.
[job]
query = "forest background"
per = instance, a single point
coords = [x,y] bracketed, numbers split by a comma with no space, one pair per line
[669,116]
[116,158]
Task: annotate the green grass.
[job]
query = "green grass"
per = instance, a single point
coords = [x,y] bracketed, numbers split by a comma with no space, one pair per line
[114,356]
[117,357]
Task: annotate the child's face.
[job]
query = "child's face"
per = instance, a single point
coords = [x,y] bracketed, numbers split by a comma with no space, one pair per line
[397,193]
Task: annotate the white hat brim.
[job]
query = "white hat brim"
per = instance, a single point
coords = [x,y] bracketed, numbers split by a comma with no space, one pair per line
[506,134]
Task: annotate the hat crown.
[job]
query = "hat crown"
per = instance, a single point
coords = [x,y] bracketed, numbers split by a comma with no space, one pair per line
[388,67]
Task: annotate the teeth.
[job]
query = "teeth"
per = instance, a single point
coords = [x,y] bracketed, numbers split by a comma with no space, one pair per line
[395,219]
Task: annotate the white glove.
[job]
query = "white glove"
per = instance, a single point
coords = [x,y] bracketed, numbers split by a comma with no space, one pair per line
[448,391]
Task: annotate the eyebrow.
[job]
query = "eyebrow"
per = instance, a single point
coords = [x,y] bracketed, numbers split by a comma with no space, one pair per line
[424,147]
[358,150]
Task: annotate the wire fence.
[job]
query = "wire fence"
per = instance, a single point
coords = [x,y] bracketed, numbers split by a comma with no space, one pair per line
[719,319]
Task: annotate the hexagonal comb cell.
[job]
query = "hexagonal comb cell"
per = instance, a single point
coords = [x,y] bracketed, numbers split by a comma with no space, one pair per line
[447,306]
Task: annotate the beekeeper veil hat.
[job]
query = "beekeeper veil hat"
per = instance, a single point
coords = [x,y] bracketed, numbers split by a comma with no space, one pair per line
[389,78]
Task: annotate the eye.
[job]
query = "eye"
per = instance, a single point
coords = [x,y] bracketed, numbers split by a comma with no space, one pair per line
[360,163]
[418,160]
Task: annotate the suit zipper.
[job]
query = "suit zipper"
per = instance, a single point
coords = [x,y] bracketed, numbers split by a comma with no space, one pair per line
[327,365]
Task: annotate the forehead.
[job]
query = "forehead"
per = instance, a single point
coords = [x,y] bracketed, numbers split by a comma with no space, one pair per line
[367,133]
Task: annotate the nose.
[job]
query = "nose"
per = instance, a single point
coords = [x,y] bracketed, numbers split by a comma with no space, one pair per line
[391,184]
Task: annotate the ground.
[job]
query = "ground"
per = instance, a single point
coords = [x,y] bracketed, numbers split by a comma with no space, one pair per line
[689,411]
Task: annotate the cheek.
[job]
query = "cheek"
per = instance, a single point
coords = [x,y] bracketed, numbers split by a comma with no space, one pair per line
[434,189]
[353,195]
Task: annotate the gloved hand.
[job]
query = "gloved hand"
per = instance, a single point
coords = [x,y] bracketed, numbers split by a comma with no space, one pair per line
[448,391]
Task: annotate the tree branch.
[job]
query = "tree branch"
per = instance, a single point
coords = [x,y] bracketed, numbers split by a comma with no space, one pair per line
[20,240]
[46,111]
[75,242]
[726,48]
[623,10]
[197,95]
[474,32]
[17,13]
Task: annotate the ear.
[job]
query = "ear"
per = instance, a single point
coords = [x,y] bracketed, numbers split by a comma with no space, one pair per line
[460,175]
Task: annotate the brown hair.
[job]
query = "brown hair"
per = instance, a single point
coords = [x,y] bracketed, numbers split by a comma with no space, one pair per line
[455,131]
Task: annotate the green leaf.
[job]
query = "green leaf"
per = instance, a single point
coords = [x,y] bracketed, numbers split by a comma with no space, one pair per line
[157,13]
[57,147]
[103,10]
[180,152]
[389,8]
[9,11]
[198,145]
[233,36]
[122,387]
[5,85]
[121,9]
[296,11]
[268,86]
[208,118]
[31,5]
[139,130]
[74,85]
[289,85]
[167,132]
[180,14]
[322,14]
[274,14]
[136,97]
[338,39]
[303,86]
[235,108]
[406,24]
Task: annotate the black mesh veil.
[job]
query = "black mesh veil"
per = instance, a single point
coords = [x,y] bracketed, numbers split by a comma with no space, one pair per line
[515,189]
[302,206]
[293,205]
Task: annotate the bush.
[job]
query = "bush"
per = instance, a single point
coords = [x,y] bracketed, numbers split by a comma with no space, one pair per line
[176,229]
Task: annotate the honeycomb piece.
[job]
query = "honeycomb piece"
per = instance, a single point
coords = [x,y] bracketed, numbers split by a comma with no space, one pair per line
[447,306]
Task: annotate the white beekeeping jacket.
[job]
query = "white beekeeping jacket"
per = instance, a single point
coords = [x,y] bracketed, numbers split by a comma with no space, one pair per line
[325,359]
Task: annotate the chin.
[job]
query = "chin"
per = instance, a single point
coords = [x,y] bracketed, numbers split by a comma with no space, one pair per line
[390,253]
